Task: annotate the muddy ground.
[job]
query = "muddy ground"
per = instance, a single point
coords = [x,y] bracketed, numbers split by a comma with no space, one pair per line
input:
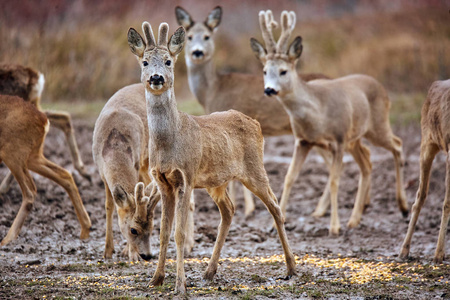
[49,261]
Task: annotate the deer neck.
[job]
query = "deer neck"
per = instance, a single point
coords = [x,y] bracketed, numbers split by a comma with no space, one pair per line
[202,80]
[163,120]
[302,104]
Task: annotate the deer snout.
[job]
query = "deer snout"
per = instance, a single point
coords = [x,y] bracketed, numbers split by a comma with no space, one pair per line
[270,91]
[146,257]
[156,79]
[198,53]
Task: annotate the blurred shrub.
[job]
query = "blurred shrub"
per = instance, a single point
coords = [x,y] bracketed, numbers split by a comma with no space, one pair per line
[84,54]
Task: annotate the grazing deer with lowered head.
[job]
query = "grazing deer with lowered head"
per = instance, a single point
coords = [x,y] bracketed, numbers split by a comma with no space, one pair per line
[190,152]
[332,114]
[120,151]
[435,125]
[28,84]
[221,92]
[22,132]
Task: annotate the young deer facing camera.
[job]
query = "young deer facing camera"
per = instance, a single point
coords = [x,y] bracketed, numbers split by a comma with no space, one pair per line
[220,92]
[435,137]
[196,152]
[120,150]
[22,132]
[332,114]
[28,84]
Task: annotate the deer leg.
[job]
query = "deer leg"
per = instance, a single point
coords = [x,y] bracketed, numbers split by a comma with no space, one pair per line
[262,190]
[6,183]
[427,154]
[335,173]
[226,209]
[249,204]
[181,216]
[324,200]
[62,121]
[440,251]
[189,243]
[63,178]
[26,183]
[167,214]
[109,209]
[361,154]
[232,191]
[399,164]
[300,152]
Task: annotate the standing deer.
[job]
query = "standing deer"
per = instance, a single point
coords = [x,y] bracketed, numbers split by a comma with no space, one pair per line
[28,84]
[196,152]
[120,151]
[221,92]
[435,125]
[332,114]
[22,132]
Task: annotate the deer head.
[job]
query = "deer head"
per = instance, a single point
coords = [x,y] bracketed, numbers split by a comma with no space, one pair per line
[157,60]
[278,59]
[199,44]
[136,214]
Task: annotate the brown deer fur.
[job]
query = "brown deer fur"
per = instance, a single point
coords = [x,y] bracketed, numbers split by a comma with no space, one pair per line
[120,151]
[28,84]
[217,91]
[196,152]
[331,114]
[22,132]
[435,138]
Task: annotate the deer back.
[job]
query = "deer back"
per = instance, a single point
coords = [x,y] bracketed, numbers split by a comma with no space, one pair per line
[21,81]
[436,115]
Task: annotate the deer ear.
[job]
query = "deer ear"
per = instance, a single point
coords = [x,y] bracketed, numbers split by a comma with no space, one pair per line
[120,196]
[176,41]
[214,18]
[183,18]
[295,49]
[136,42]
[258,49]
[153,194]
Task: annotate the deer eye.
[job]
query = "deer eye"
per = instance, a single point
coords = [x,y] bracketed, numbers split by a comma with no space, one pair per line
[190,37]
[206,37]
[283,72]
[168,63]
[265,73]
[133,231]
[145,63]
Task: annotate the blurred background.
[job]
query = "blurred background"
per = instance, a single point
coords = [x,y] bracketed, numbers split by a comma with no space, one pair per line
[81,46]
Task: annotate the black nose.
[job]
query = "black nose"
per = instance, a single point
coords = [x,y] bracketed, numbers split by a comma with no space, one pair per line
[145,256]
[270,92]
[156,79]
[197,53]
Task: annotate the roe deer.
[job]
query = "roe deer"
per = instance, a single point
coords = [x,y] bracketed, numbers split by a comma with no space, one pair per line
[435,125]
[22,132]
[196,152]
[332,114]
[120,151]
[220,92]
[28,84]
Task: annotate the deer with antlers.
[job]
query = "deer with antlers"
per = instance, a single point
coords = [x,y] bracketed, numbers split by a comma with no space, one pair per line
[22,132]
[120,151]
[220,92]
[196,152]
[331,114]
[28,84]
[435,125]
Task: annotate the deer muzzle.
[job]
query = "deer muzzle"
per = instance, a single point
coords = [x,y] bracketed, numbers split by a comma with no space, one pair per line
[270,91]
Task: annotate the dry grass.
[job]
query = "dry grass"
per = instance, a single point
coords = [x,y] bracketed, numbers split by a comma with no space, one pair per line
[88,58]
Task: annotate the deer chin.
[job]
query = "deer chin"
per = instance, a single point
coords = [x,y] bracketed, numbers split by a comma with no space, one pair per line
[155,89]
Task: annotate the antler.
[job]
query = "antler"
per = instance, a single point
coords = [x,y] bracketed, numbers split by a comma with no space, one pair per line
[267,23]
[288,20]
[149,37]
[163,35]
[141,200]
